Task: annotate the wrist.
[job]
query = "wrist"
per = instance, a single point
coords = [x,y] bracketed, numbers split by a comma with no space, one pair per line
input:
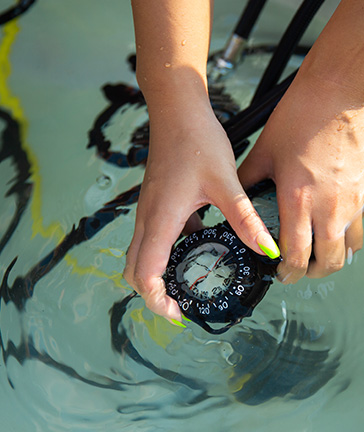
[176,83]
[336,78]
[179,98]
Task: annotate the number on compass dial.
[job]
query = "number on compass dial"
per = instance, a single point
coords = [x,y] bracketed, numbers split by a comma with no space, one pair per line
[207,270]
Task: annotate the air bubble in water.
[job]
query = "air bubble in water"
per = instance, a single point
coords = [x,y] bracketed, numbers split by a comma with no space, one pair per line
[103,181]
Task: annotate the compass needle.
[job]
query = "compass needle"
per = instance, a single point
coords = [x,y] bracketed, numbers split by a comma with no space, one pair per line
[203,277]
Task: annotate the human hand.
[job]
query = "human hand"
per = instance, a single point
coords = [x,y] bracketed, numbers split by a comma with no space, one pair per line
[313,149]
[190,164]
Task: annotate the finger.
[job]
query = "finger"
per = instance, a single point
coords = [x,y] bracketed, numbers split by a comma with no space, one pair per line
[331,248]
[255,167]
[295,237]
[329,257]
[153,291]
[132,254]
[354,237]
[244,219]
[159,236]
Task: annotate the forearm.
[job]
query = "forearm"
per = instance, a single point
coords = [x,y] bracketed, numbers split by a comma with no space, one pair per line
[172,41]
[337,57]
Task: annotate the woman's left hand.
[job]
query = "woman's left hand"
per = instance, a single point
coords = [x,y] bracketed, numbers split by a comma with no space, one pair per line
[313,149]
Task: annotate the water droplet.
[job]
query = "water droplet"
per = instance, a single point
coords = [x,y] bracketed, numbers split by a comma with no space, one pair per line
[167,65]
[103,181]
[139,46]
[183,43]
[197,152]
[161,48]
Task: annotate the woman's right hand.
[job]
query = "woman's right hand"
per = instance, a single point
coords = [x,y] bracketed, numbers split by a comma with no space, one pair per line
[190,164]
[190,161]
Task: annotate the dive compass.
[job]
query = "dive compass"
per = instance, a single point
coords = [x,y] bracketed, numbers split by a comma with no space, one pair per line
[215,277]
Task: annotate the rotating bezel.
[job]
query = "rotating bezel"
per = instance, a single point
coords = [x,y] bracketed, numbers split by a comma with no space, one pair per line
[227,305]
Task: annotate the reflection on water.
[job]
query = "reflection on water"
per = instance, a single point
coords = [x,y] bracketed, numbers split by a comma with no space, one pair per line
[278,359]
[80,352]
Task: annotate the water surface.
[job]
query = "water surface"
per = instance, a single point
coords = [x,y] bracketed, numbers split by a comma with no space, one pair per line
[76,355]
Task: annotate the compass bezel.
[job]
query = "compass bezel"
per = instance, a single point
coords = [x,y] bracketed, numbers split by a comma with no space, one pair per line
[239,299]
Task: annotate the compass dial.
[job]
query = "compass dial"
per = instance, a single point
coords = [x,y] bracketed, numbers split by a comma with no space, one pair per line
[214,277]
[207,271]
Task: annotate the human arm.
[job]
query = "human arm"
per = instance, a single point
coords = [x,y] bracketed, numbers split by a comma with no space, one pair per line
[313,148]
[190,161]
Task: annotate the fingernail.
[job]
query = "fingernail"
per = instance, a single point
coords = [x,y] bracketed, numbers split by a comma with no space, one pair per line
[177,323]
[186,319]
[268,245]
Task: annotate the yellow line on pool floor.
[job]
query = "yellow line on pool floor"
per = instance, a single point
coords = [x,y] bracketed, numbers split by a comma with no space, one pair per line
[12,104]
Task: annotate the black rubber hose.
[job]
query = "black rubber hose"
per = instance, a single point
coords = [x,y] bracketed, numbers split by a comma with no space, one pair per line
[286,46]
[256,115]
[13,12]
[248,18]
[237,41]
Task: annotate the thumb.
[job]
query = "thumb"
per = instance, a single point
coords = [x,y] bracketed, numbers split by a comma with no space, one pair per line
[255,167]
[245,221]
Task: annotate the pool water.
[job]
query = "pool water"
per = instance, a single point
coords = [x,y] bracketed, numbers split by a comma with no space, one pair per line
[77,354]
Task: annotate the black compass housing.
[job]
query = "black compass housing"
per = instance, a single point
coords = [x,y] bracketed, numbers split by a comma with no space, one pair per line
[241,292]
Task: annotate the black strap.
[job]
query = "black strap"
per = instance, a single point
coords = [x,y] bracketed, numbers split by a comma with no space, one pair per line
[15,11]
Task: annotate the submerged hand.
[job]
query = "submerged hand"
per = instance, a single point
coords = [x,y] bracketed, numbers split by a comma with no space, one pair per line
[195,168]
[313,148]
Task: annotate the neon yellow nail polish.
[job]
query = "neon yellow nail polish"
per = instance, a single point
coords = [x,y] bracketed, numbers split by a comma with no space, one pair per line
[177,323]
[186,319]
[272,252]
